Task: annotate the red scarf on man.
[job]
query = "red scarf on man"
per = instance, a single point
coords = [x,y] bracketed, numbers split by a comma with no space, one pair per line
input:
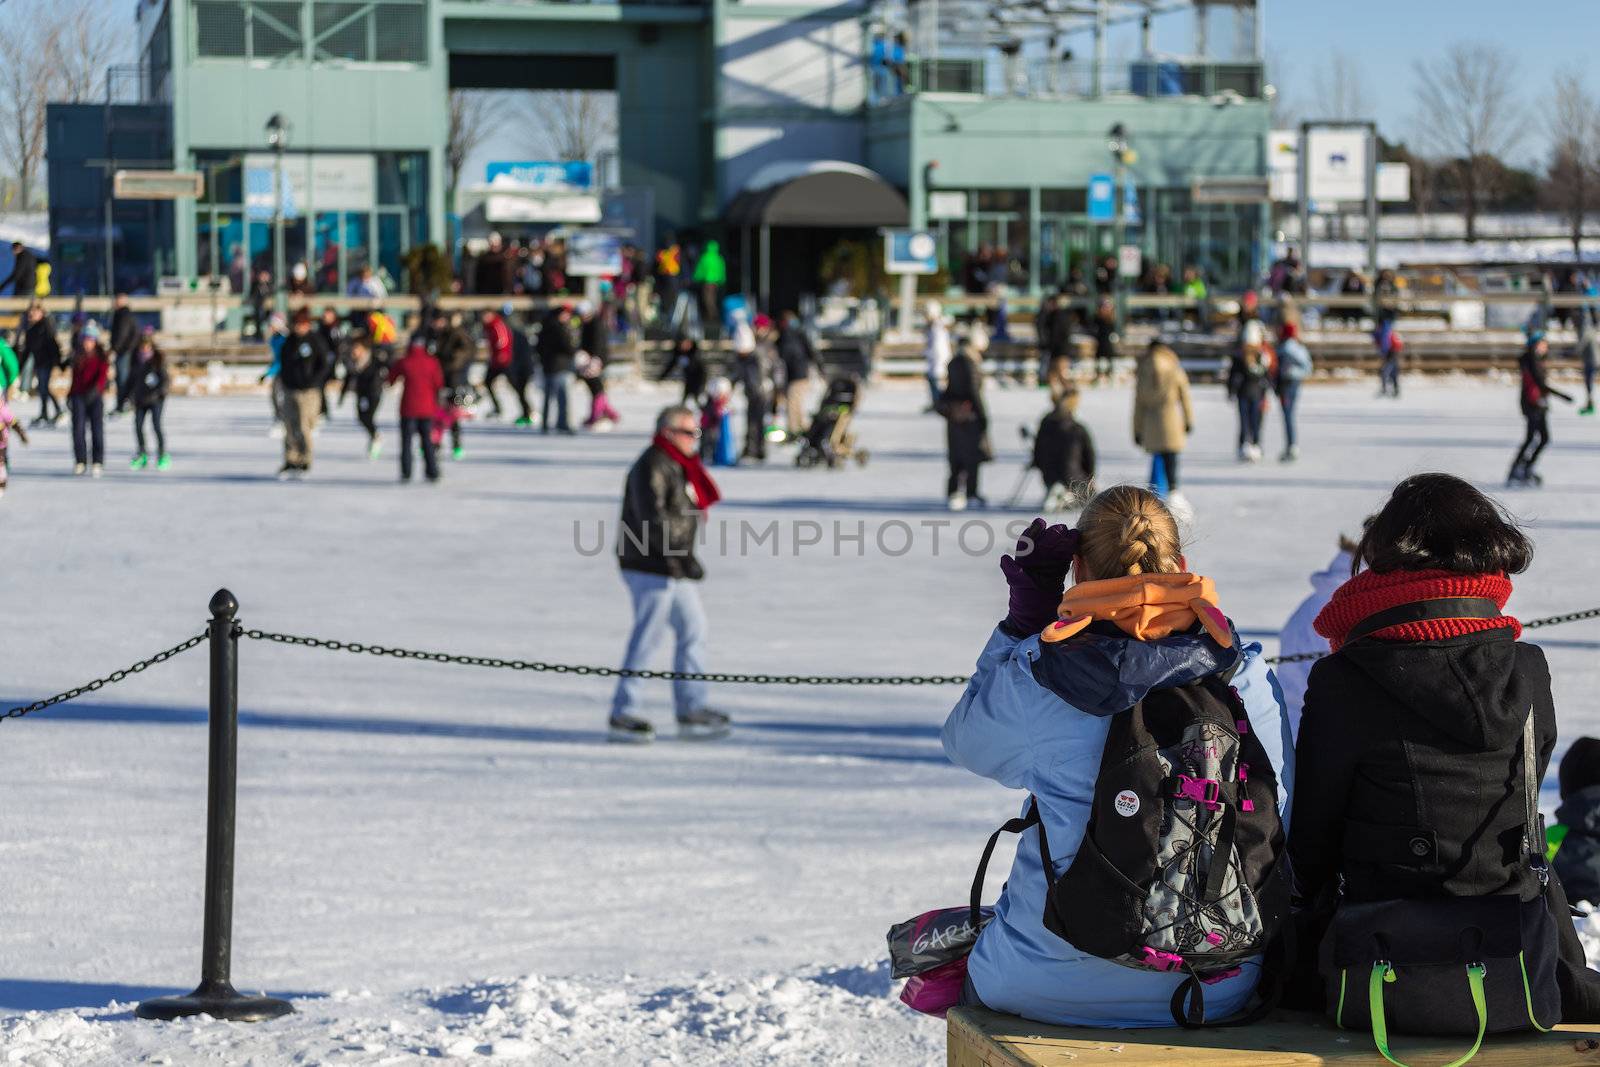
[1367,593]
[700,483]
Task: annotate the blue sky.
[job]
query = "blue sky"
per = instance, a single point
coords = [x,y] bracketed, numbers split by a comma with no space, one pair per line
[1386,36]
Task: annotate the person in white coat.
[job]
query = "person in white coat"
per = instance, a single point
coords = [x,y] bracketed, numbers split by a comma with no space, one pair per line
[936,351]
[1300,638]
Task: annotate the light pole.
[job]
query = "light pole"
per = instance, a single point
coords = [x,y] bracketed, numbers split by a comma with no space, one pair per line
[1121,157]
[278,139]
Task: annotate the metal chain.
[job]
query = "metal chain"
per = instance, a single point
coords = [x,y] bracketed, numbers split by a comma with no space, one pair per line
[100,683]
[1556,620]
[1531,624]
[358,648]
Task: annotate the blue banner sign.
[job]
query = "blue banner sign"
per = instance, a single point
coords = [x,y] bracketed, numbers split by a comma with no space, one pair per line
[575,174]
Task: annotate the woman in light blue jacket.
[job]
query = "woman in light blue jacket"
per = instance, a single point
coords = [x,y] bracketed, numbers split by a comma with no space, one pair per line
[1035,717]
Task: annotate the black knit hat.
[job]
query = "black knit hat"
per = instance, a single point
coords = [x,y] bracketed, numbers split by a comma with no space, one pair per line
[1580,767]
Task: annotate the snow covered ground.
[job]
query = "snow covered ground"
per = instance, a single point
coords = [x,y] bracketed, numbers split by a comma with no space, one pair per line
[442,862]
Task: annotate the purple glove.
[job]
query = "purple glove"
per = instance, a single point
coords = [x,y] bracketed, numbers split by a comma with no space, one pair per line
[1037,575]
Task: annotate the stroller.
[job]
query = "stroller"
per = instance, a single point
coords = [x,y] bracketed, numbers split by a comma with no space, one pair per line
[828,440]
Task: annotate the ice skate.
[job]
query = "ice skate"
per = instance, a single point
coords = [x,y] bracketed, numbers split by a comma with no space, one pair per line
[164,463]
[1056,499]
[957,502]
[79,468]
[139,463]
[703,725]
[97,470]
[375,448]
[1587,409]
[1290,454]
[631,730]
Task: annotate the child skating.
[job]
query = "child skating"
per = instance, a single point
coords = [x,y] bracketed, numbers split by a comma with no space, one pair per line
[9,424]
[148,385]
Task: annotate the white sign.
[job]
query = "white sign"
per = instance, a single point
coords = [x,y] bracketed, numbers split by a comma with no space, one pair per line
[1336,164]
[157,184]
[1130,263]
[1283,165]
[947,204]
[502,207]
[594,253]
[1394,182]
[311,182]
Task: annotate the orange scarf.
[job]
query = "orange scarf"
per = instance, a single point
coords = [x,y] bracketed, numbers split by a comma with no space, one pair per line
[1146,607]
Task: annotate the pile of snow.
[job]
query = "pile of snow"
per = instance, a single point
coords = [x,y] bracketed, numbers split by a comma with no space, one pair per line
[820,1017]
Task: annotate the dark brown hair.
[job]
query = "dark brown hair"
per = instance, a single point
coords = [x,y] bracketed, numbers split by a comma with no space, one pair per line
[1439,522]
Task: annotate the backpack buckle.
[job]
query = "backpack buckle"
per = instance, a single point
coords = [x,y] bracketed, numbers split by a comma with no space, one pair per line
[1157,960]
[1206,792]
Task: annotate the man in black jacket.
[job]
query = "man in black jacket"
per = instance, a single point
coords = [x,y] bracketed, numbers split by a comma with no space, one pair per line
[556,358]
[24,276]
[666,490]
[40,345]
[798,357]
[125,336]
[306,364]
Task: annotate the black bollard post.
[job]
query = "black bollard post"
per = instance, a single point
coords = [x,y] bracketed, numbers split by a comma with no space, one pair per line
[215,996]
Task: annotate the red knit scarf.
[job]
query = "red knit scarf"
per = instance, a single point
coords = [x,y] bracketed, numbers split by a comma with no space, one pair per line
[705,490]
[1367,593]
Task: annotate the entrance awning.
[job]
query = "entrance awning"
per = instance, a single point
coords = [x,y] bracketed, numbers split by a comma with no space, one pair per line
[819,193]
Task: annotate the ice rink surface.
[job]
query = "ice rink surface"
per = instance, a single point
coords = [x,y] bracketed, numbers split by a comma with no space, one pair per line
[449,862]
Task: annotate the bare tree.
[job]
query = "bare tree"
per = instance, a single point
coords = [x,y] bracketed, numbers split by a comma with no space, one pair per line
[25,83]
[574,124]
[473,115]
[1572,185]
[1468,114]
[1339,89]
[86,42]
[49,53]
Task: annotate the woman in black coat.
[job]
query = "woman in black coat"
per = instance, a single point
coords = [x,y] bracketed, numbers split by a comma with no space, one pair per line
[966,426]
[1409,780]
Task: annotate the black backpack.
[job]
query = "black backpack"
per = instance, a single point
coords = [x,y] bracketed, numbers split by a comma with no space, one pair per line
[1457,966]
[1183,779]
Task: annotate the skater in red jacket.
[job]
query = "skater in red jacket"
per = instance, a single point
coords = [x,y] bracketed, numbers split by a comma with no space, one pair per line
[419,406]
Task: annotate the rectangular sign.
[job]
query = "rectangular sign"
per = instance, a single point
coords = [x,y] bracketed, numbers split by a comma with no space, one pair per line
[1336,164]
[157,184]
[1102,198]
[573,173]
[313,182]
[947,204]
[594,253]
[1230,190]
[910,252]
[1130,261]
[1394,182]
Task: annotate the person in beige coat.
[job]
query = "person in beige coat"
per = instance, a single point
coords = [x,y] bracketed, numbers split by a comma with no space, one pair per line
[1162,414]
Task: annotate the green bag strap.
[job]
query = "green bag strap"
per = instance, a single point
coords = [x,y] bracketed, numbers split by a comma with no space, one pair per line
[1383,972]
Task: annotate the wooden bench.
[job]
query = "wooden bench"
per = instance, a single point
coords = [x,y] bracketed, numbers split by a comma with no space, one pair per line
[981,1038]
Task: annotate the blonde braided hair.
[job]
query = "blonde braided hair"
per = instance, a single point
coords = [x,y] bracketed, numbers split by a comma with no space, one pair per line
[1128,530]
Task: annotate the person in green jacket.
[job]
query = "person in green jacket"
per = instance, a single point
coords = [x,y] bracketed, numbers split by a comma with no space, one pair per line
[10,369]
[711,275]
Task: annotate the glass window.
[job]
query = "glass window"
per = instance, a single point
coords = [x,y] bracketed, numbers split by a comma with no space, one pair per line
[325,253]
[1064,201]
[357,243]
[275,30]
[391,246]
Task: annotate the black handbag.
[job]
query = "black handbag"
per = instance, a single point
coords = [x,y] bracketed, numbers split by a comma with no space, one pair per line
[1452,966]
